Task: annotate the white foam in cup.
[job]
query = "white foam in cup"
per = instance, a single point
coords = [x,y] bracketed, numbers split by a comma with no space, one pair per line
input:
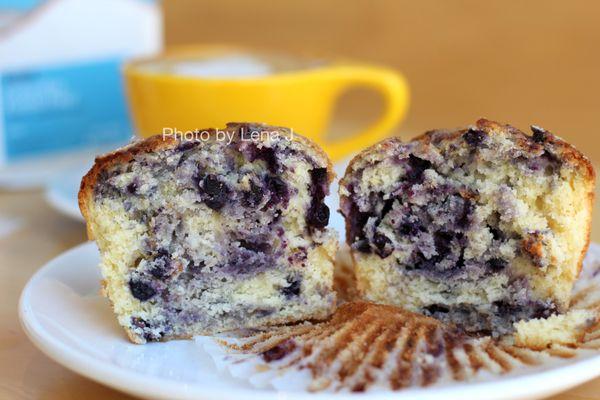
[228,66]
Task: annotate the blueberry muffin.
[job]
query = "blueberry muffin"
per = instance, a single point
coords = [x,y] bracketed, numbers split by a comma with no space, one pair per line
[566,329]
[224,231]
[482,227]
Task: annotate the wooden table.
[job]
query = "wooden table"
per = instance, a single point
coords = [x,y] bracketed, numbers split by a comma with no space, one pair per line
[39,234]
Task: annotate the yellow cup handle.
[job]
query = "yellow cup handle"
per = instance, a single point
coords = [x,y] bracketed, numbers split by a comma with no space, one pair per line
[393,88]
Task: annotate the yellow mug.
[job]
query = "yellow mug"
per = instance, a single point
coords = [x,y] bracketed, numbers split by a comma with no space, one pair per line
[301,98]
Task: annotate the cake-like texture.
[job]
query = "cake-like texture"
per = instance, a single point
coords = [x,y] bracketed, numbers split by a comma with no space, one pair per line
[482,226]
[564,329]
[221,230]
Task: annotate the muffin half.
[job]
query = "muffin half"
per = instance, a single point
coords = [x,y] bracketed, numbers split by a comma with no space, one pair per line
[227,230]
[482,226]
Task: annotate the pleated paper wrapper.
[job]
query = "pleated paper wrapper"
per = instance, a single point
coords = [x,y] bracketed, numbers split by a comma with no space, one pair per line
[371,347]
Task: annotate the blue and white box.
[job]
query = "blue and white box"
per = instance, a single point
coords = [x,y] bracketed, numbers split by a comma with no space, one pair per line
[61,86]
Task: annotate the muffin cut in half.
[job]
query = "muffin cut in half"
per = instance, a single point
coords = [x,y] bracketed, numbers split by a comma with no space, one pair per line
[222,232]
[482,226]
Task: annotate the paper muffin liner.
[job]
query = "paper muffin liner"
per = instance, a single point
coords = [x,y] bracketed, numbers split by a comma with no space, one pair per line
[366,346]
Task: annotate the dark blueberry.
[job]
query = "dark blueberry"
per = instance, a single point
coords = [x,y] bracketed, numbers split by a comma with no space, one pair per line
[215,192]
[443,245]
[253,197]
[293,288]
[278,189]
[410,228]
[474,137]
[158,271]
[437,309]
[417,167]
[141,290]
[418,163]
[161,265]
[358,220]
[255,246]
[212,185]
[318,216]
[503,307]
[279,351]
[318,177]
[461,260]
[267,154]
[443,242]
[162,252]
[540,135]
[407,229]
[497,234]
[362,246]
[383,245]
[132,187]
[387,207]
[496,264]
[153,337]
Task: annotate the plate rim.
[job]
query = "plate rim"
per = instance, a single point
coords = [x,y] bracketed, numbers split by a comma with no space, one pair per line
[62,204]
[140,384]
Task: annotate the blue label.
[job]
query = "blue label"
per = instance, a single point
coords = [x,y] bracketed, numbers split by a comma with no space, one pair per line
[63,108]
[21,5]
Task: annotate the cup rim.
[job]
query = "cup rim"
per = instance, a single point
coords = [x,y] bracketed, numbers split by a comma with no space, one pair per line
[132,67]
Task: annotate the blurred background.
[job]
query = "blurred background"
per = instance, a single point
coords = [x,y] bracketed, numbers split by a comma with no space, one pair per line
[526,62]
[63,100]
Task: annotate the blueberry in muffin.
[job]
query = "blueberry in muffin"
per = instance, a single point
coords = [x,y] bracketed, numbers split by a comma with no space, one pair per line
[483,226]
[206,235]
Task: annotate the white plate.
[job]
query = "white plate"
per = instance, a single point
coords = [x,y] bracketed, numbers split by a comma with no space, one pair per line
[61,193]
[63,314]
[40,171]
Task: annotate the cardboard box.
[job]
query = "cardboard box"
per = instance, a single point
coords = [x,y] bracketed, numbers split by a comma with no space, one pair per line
[60,73]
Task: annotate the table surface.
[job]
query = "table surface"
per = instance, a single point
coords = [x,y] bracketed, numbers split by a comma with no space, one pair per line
[32,233]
